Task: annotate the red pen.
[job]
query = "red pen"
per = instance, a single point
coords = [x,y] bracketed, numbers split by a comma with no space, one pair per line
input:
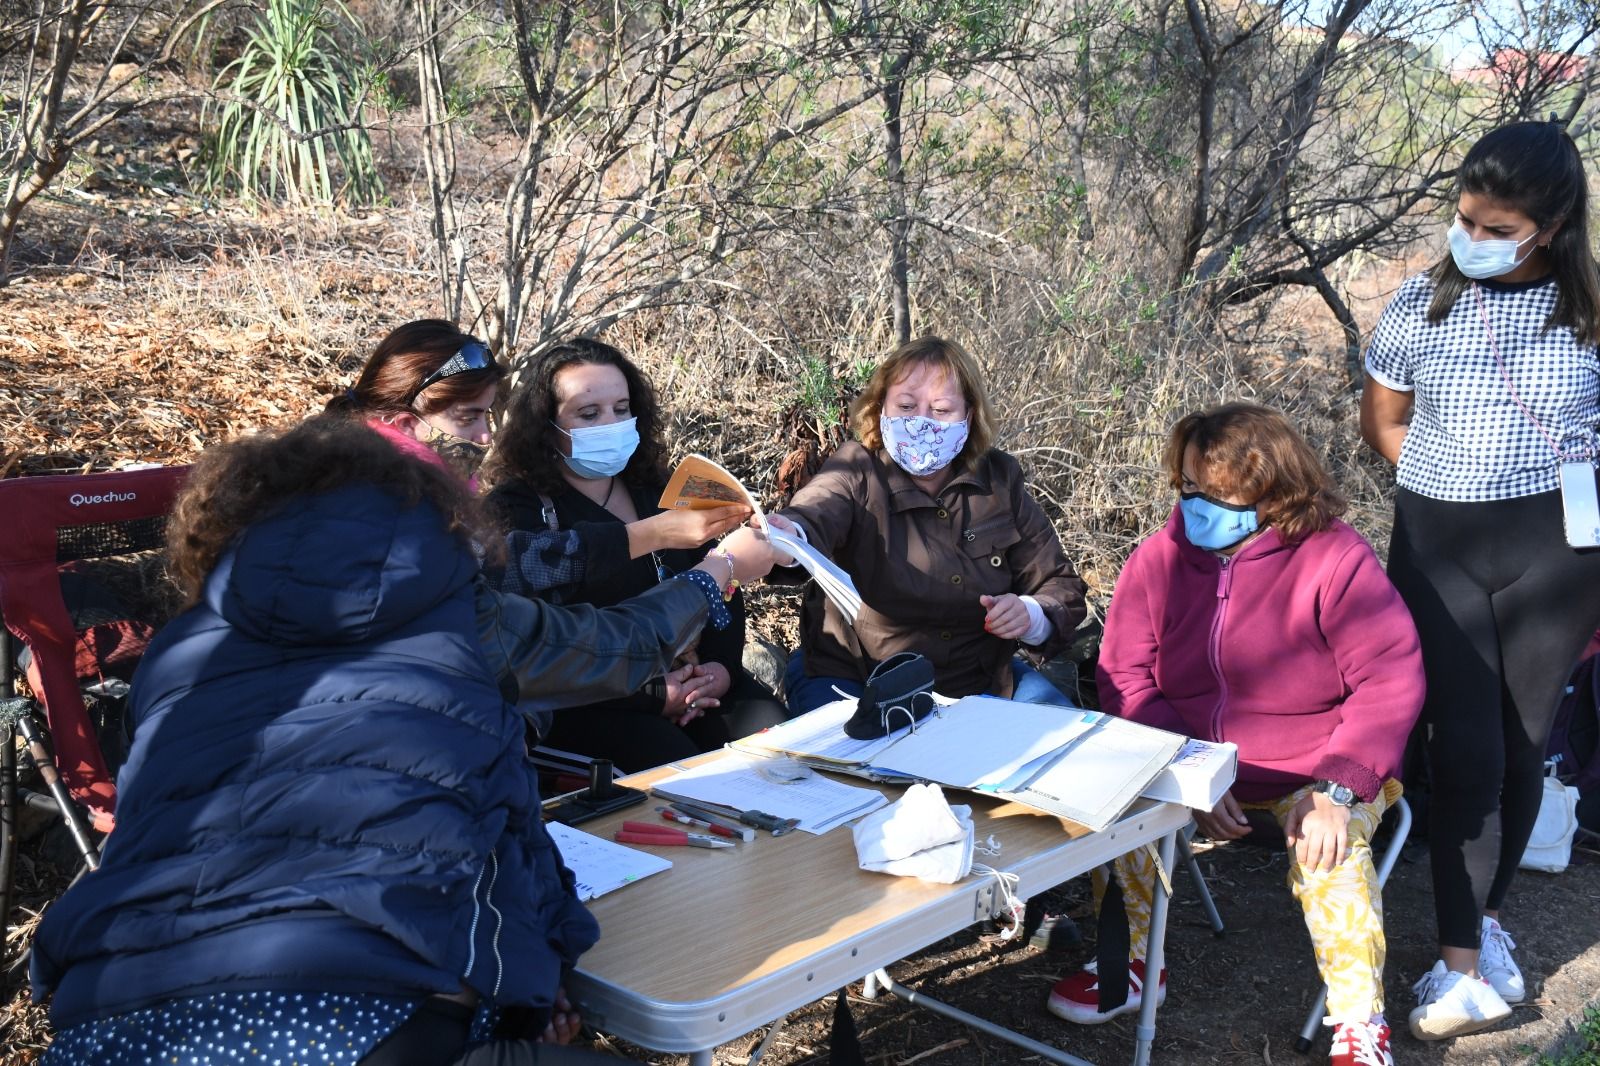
[670,815]
[665,836]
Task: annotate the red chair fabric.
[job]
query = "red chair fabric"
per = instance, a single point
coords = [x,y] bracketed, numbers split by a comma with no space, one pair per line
[49,521]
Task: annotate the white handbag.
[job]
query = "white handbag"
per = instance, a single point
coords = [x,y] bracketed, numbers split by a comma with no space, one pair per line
[1550,847]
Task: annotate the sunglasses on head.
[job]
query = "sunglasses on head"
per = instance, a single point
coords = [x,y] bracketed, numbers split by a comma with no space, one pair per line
[473,355]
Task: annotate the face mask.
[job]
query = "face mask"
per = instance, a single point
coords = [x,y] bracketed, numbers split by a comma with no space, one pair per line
[1485,259]
[462,456]
[602,451]
[922,446]
[1214,525]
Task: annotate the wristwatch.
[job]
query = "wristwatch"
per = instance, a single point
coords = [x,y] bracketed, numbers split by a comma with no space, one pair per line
[1343,795]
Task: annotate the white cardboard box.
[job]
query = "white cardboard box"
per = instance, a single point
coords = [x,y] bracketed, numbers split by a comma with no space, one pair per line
[1197,776]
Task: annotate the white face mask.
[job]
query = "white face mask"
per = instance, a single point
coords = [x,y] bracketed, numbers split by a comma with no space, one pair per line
[1485,259]
[602,451]
[922,446]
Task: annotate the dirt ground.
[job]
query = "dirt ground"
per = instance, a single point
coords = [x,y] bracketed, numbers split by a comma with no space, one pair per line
[1239,998]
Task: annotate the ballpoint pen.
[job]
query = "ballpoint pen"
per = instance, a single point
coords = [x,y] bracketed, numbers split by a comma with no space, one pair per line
[665,836]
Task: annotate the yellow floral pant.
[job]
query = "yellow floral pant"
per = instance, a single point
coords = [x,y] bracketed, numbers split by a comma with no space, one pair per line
[1343,906]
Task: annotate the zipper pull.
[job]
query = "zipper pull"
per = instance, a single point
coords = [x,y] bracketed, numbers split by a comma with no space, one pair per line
[1224,578]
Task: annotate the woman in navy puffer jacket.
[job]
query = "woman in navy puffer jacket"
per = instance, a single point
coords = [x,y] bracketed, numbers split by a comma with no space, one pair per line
[328,844]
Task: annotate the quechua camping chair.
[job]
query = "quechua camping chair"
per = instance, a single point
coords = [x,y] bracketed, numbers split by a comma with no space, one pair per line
[53,521]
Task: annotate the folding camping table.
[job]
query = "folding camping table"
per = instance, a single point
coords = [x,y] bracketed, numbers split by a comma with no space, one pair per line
[731,940]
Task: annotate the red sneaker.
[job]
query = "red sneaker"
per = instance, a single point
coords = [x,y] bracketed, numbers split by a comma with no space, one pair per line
[1077,997]
[1360,1044]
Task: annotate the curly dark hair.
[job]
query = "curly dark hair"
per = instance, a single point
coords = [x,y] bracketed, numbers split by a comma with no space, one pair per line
[402,361]
[527,448]
[234,485]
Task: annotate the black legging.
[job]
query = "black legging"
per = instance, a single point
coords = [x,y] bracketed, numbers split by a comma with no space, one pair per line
[1504,608]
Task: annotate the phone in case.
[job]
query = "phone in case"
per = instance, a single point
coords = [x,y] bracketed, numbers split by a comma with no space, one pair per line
[1580,503]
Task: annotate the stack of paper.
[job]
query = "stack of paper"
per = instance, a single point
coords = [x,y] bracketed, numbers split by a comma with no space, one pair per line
[818,803]
[1197,776]
[601,866]
[835,583]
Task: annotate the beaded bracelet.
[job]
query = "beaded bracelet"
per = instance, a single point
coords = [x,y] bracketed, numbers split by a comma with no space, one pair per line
[733,582]
[720,615]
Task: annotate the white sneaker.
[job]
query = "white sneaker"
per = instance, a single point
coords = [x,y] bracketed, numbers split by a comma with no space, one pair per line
[1497,965]
[1449,1003]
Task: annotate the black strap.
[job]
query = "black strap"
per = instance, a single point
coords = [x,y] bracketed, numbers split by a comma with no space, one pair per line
[1113,948]
[844,1046]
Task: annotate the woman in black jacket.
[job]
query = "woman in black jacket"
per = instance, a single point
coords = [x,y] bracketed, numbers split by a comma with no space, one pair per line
[582,449]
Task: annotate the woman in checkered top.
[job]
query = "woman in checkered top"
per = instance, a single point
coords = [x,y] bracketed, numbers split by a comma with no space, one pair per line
[1481,375]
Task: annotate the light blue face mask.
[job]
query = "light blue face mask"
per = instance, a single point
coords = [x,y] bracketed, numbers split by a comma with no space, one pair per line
[1214,525]
[602,451]
[1485,259]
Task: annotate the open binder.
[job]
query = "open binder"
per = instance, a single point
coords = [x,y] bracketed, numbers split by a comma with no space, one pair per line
[1081,765]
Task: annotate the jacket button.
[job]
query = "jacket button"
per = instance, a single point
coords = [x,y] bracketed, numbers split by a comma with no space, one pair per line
[944,634]
[943,513]
[955,579]
[995,560]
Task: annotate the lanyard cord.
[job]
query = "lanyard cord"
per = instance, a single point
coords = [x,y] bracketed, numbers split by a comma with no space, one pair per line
[1505,375]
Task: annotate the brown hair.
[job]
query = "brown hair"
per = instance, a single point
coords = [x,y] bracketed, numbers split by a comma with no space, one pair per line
[1251,452]
[935,352]
[402,361]
[527,447]
[234,485]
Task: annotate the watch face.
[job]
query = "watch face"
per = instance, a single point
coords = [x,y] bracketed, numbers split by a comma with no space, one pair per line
[1343,795]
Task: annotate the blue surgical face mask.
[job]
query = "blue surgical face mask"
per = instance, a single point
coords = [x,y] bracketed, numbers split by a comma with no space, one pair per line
[1213,525]
[602,451]
[1485,259]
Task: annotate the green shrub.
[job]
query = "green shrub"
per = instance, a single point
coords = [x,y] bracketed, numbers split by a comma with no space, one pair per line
[288,97]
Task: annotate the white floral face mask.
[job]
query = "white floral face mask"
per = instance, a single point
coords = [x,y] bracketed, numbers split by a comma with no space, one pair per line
[921,445]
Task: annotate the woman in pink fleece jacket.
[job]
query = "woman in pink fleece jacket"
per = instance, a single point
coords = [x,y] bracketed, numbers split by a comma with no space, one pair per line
[1257,617]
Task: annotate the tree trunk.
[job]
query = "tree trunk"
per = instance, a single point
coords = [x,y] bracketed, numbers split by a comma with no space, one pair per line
[1206,108]
[899,218]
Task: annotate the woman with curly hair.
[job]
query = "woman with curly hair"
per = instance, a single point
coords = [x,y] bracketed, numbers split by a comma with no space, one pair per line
[582,450]
[329,844]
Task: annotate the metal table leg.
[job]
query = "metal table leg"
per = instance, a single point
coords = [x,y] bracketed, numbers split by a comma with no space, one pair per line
[1155,959]
[983,1025]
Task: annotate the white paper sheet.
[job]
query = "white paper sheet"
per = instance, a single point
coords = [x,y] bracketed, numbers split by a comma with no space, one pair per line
[981,740]
[600,866]
[819,803]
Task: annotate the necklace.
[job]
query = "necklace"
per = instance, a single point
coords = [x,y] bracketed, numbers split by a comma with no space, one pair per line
[609,489]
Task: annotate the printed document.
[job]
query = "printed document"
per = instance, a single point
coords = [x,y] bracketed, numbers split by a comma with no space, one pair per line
[819,803]
[600,866]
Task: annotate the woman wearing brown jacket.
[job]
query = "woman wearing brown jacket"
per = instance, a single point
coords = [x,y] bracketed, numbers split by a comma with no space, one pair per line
[951,555]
